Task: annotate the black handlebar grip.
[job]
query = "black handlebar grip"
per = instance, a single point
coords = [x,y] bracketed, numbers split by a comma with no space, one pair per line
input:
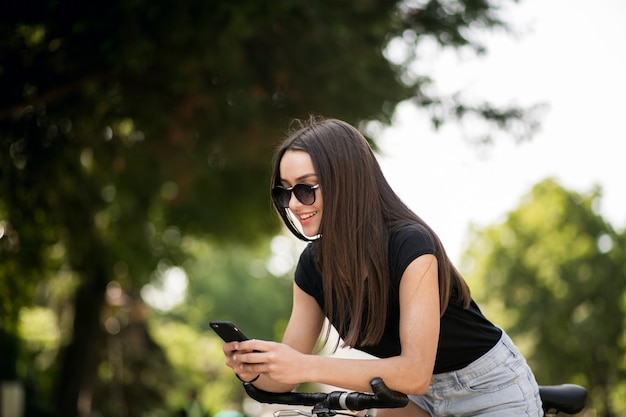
[382,397]
[289,398]
[391,398]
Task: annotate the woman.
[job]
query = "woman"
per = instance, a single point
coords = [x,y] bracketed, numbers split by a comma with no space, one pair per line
[383,279]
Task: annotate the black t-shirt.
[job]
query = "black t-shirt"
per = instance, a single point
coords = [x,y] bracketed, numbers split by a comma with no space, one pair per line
[465,334]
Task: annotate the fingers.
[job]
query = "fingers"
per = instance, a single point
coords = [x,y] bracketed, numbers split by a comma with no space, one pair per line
[251,357]
[253,345]
[247,368]
[247,365]
[229,348]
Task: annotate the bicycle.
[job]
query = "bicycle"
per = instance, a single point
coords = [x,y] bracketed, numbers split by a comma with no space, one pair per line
[566,398]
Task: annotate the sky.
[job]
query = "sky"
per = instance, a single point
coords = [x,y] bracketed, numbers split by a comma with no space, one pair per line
[568,54]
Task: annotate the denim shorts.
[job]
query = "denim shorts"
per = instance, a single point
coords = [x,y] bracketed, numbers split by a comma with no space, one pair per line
[499,383]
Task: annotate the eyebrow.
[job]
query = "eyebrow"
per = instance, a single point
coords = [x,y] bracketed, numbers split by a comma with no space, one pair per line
[304,177]
[300,178]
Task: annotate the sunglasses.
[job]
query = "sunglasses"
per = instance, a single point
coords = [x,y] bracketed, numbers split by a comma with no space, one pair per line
[305,193]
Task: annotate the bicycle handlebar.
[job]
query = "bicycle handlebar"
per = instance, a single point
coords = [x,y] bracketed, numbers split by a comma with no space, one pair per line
[382,397]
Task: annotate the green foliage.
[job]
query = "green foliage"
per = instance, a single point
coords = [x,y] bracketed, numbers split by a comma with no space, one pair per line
[231,282]
[226,282]
[554,275]
[199,364]
[38,329]
[174,352]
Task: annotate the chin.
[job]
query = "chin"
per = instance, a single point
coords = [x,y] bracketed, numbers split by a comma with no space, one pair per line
[311,234]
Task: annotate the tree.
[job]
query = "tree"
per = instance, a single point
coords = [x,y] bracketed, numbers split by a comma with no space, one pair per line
[126,125]
[554,274]
[232,282]
[226,282]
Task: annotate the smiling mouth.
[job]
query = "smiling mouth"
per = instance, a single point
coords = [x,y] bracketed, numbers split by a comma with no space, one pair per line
[307,216]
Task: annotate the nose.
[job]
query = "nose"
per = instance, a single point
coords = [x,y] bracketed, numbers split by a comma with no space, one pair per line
[293,201]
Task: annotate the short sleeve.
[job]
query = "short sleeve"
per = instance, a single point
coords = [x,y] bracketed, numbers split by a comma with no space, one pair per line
[307,277]
[406,245]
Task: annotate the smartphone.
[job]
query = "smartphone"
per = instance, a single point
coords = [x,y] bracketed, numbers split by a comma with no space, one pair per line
[228,331]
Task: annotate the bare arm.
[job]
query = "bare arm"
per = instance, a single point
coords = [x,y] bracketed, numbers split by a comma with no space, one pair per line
[291,362]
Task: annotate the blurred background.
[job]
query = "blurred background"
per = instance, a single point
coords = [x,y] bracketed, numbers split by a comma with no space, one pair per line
[135,148]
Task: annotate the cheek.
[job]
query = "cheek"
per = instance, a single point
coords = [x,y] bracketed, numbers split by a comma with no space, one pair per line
[318,220]
[319,205]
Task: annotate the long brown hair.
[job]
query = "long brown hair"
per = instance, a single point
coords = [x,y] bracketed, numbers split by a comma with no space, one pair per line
[360,213]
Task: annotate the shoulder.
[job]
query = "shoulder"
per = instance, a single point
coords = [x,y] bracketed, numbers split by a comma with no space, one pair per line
[306,257]
[407,244]
[413,238]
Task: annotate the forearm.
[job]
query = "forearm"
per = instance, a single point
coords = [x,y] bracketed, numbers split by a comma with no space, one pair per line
[282,369]
[399,373]
[268,384]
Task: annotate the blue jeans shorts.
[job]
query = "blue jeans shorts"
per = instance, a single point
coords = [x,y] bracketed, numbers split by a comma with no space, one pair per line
[499,383]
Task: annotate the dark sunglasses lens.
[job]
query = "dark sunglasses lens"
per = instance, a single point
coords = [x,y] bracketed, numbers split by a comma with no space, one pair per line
[281,196]
[304,193]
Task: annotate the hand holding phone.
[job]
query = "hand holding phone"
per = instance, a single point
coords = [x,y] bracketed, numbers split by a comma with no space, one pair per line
[230,333]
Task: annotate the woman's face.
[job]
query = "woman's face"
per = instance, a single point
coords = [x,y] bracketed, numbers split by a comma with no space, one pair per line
[296,167]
